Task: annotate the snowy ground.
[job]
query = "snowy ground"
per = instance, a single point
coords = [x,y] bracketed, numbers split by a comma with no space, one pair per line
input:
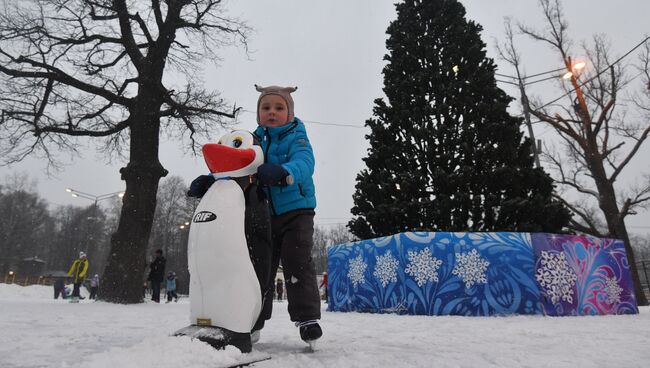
[38,331]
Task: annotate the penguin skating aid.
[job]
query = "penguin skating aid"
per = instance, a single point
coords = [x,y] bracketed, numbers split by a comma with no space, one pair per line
[229,247]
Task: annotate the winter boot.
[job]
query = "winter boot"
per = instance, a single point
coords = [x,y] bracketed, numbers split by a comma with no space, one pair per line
[309,330]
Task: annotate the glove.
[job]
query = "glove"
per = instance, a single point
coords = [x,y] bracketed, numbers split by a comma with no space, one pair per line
[272,174]
[200,185]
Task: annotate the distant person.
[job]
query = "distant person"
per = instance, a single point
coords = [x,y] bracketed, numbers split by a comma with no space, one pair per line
[171,287]
[157,274]
[279,288]
[323,285]
[59,288]
[66,293]
[78,273]
[94,286]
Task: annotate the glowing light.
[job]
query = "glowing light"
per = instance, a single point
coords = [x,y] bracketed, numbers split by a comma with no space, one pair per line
[182,227]
[455,68]
[567,75]
[579,65]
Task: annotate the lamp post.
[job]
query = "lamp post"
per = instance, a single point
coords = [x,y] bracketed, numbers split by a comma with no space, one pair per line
[95,198]
[520,81]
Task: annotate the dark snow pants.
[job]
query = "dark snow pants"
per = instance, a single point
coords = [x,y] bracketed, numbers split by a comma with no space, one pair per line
[155,291]
[93,292]
[75,289]
[292,235]
[59,291]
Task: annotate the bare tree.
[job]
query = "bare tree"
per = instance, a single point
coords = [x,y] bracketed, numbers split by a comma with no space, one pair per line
[323,238]
[599,135]
[101,69]
[25,225]
[79,229]
[174,210]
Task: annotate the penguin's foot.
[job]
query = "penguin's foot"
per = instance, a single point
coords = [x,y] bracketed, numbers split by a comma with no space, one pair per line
[218,337]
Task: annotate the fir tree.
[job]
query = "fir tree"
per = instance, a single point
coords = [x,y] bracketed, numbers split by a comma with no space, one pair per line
[444,153]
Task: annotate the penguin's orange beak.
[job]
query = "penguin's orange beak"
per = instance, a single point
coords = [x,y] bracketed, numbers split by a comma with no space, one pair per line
[221,158]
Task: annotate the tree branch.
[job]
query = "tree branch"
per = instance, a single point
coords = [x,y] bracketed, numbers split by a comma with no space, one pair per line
[127,34]
[61,77]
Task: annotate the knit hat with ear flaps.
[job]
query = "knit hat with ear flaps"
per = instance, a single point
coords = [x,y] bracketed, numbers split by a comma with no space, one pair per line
[284,92]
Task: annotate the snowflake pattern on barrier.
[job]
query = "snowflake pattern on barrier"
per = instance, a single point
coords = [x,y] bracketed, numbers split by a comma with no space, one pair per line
[612,290]
[422,266]
[470,267]
[357,270]
[386,268]
[556,277]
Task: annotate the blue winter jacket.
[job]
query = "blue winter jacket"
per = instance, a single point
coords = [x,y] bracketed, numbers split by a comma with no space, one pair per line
[289,146]
[171,284]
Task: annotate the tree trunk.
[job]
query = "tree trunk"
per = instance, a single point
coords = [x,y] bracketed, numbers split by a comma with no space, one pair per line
[616,223]
[125,272]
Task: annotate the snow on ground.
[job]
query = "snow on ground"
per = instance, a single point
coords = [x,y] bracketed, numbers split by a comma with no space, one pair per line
[38,331]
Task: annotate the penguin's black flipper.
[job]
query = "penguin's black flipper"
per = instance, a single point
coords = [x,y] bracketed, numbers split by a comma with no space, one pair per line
[257,224]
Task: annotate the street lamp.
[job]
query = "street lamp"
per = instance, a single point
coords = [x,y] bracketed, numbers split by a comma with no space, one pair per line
[522,82]
[95,198]
[11,275]
[76,193]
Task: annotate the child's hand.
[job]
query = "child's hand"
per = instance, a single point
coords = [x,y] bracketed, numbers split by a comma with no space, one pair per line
[200,185]
[272,174]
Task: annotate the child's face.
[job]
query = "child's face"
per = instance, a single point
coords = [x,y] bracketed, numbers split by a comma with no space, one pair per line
[273,111]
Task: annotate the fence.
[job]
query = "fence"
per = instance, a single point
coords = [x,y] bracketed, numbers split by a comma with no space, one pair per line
[643,266]
[24,280]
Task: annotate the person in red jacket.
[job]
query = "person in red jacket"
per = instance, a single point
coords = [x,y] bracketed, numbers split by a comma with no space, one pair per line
[323,284]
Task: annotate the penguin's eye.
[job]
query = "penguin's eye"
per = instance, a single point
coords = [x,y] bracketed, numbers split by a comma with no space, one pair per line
[239,139]
[237,142]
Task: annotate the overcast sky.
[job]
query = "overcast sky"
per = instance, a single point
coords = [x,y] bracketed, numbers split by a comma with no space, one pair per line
[333,50]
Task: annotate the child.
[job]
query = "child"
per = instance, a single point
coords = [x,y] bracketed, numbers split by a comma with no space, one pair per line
[287,178]
[171,287]
[94,286]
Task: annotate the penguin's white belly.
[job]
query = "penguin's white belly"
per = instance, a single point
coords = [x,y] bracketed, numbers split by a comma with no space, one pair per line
[224,290]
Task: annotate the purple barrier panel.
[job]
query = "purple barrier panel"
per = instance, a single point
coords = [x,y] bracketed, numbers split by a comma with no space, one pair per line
[583,275]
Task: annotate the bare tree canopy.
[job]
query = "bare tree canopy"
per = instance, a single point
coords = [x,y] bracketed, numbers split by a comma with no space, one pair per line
[104,68]
[602,125]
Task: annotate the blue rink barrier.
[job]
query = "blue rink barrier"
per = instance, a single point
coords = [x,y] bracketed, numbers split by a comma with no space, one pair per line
[481,274]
